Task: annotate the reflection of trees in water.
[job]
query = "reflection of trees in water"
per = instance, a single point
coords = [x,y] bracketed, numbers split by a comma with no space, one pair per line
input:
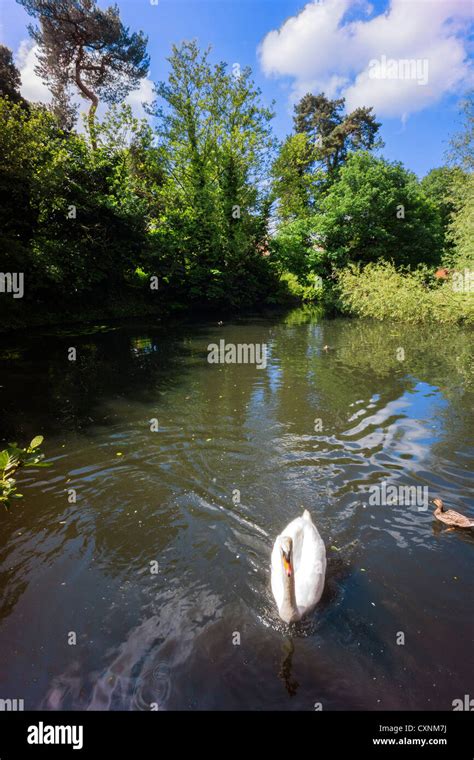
[433,354]
[239,406]
[446,350]
[45,391]
[314,383]
[245,411]
[440,356]
[362,362]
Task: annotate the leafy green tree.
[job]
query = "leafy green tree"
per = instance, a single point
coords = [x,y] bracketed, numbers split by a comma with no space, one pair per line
[309,160]
[88,48]
[10,79]
[438,186]
[186,129]
[242,161]
[295,248]
[376,210]
[217,145]
[332,133]
[461,228]
[74,220]
[94,203]
[25,137]
[461,151]
[294,185]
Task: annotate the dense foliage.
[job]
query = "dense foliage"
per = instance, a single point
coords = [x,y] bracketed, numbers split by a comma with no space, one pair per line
[381,291]
[377,210]
[184,205]
[215,139]
[198,204]
[375,214]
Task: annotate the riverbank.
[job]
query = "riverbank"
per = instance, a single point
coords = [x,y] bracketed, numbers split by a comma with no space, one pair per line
[19,316]
[377,291]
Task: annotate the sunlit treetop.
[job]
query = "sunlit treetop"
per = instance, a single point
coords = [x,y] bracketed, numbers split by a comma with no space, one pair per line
[83,46]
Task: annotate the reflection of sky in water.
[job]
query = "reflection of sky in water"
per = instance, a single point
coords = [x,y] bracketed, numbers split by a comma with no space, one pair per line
[274,374]
[417,422]
[168,497]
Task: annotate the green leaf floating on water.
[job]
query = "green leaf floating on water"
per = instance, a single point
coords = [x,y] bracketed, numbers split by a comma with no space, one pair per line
[37,441]
[335,549]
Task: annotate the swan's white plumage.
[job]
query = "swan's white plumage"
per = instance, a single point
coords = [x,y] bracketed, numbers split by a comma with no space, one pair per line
[309,564]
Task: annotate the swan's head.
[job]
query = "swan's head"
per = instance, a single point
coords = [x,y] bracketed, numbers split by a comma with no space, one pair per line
[286,547]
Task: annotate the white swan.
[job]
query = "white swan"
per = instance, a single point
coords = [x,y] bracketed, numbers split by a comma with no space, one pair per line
[298,568]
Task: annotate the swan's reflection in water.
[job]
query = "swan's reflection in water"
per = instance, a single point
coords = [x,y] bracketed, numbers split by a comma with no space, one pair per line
[291,685]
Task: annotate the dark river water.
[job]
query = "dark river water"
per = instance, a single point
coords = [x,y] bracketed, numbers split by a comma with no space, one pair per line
[160,571]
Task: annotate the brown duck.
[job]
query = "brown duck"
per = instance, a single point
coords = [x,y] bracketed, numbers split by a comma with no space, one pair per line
[450,517]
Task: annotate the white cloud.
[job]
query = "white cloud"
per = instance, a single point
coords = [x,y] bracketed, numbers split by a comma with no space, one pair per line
[144,94]
[33,88]
[323,51]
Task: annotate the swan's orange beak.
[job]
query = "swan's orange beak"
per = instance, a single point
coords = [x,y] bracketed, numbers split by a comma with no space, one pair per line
[287,566]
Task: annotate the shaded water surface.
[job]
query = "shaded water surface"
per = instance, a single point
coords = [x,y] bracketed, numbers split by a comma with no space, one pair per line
[238,453]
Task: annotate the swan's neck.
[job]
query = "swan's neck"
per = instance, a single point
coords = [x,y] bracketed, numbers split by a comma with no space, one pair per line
[289,610]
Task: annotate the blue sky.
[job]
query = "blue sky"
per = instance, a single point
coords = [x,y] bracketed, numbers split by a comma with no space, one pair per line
[293,47]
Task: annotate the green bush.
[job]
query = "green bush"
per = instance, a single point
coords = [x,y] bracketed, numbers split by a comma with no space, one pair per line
[381,291]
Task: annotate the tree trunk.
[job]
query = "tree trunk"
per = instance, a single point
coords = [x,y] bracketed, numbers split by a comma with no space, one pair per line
[91,122]
[90,95]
